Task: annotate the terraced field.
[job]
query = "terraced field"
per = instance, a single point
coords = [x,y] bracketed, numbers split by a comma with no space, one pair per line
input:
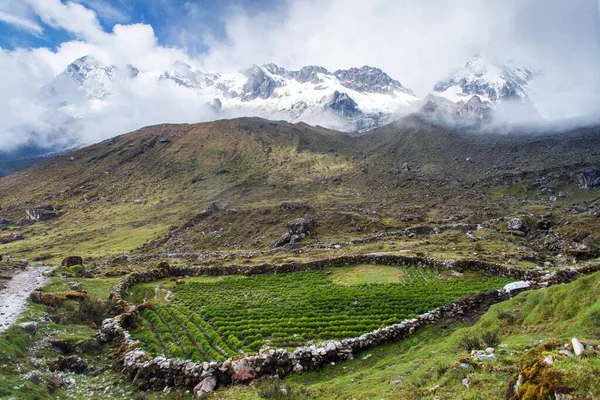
[214,318]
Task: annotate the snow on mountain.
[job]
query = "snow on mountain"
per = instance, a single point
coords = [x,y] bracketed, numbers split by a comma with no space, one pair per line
[87,78]
[493,83]
[481,92]
[355,100]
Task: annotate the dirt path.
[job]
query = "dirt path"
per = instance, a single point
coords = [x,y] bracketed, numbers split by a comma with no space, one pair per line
[14,295]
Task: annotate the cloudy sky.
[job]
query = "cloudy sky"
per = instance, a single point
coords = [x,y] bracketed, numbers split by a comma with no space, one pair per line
[415,41]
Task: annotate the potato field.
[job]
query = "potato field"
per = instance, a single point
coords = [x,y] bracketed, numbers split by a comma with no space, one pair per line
[217,319]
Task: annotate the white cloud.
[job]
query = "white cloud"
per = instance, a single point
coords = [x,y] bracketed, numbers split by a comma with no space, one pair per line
[105,10]
[72,17]
[21,23]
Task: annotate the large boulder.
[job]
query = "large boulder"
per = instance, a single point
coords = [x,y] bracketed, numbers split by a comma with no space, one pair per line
[517,224]
[301,226]
[589,178]
[298,229]
[71,261]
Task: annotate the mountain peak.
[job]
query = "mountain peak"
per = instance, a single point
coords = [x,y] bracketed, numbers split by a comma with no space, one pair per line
[492,81]
[370,80]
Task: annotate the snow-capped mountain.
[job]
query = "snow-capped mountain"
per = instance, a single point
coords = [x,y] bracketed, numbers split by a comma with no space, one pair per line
[87,78]
[356,99]
[90,99]
[481,92]
[491,82]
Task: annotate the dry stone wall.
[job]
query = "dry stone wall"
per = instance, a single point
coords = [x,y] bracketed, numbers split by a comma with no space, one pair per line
[159,372]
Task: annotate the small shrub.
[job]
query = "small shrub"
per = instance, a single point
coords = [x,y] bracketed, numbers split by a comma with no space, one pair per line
[94,310]
[470,343]
[491,338]
[509,317]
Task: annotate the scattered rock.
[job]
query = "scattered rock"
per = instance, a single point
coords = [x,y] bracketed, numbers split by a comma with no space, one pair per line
[577,346]
[466,382]
[589,178]
[433,389]
[565,352]
[549,360]
[286,206]
[76,285]
[482,356]
[517,224]
[29,327]
[197,179]
[301,226]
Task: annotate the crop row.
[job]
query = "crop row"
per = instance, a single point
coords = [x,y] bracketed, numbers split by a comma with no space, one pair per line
[213,320]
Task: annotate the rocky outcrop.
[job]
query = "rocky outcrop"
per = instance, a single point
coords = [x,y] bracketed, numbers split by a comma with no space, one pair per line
[439,109]
[71,261]
[298,229]
[589,178]
[42,213]
[11,238]
[342,104]
[258,85]
[370,80]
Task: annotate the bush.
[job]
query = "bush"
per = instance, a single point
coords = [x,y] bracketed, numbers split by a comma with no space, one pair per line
[491,338]
[470,343]
[94,310]
[510,317]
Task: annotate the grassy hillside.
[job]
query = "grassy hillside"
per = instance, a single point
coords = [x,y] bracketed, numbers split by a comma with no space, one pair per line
[131,190]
